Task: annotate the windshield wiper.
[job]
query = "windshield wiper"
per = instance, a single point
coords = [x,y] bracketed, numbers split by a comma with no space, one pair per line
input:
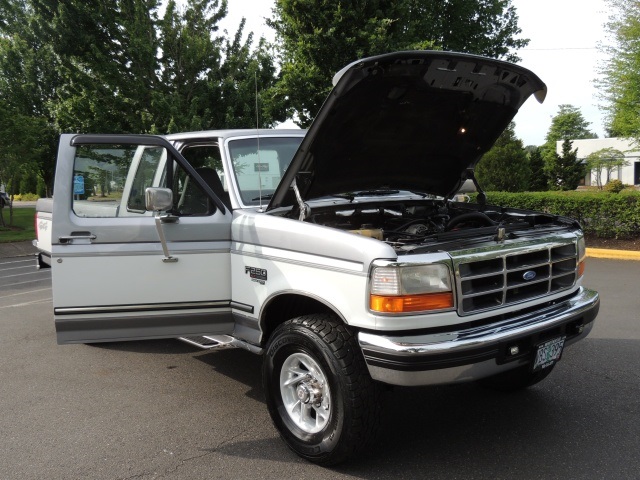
[366,193]
[421,194]
[374,193]
[266,196]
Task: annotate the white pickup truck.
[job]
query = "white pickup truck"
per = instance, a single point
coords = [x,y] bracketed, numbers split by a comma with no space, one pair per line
[339,254]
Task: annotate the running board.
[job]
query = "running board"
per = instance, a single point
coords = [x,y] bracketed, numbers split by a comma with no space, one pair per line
[210,341]
[219,342]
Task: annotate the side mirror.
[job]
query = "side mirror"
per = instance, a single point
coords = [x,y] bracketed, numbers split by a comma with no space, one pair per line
[158,199]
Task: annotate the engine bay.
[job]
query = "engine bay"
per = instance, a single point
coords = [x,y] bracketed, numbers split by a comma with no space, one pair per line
[416,226]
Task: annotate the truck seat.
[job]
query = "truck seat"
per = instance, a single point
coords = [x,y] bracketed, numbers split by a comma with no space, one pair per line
[211,178]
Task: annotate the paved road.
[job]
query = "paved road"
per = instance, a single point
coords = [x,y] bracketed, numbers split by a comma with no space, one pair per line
[164,410]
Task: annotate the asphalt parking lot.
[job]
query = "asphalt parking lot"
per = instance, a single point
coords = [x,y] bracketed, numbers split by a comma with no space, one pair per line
[165,410]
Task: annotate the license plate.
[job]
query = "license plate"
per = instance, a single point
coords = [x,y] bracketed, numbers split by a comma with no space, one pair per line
[548,353]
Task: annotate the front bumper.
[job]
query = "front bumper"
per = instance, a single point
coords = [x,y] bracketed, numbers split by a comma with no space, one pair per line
[476,352]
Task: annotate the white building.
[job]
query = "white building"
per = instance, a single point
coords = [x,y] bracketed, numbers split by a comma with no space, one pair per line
[629,175]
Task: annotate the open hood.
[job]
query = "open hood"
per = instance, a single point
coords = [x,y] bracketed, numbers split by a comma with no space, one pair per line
[413,121]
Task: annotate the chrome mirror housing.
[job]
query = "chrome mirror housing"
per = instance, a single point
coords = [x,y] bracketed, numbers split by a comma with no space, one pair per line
[158,199]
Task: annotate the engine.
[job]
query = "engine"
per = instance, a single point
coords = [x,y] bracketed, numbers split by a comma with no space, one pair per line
[419,226]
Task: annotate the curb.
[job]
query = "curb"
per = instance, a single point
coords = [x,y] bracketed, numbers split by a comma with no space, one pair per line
[613,254]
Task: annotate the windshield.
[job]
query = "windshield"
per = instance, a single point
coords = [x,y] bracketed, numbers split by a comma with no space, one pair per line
[259,171]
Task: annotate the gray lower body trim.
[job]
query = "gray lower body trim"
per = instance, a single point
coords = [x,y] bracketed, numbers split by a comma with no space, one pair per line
[247,328]
[242,306]
[149,325]
[149,307]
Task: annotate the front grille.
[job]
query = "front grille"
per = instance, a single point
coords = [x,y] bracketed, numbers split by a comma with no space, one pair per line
[497,278]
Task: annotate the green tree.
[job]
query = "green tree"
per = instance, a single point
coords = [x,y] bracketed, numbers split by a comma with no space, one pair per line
[565,171]
[248,79]
[115,67]
[319,38]
[605,161]
[538,179]
[209,80]
[620,83]
[28,82]
[107,57]
[24,147]
[505,168]
[483,27]
[568,124]
[187,93]
[128,71]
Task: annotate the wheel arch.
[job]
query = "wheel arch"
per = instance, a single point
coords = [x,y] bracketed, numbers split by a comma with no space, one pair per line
[287,305]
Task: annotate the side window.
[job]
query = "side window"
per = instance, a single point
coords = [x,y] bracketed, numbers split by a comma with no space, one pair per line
[189,199]
[147,175]
[99,176]
[206,159]
[110,181]
[203,155]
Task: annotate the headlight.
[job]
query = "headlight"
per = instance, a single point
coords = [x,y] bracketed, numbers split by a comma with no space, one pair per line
[410,288]
[582,250]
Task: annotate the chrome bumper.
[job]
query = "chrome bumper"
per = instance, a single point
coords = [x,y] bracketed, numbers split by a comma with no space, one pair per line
[476,352]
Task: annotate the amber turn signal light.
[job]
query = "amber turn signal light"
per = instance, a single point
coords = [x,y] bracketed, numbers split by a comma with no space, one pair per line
[581,267]
[411,303]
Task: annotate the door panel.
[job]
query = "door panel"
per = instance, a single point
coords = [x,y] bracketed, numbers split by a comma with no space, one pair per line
[111,280]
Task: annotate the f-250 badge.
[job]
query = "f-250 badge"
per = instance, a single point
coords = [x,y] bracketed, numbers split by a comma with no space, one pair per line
[256,274]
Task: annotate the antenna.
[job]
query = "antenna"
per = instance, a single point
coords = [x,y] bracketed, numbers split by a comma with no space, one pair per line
[255,83]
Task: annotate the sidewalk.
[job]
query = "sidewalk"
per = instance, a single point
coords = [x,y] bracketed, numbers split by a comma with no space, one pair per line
[17,249]
[25,204]
[23,249]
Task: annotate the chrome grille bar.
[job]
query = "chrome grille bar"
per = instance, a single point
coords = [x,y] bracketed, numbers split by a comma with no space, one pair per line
[501,276]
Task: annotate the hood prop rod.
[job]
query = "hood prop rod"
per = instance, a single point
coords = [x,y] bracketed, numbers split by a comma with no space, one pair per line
[303,207]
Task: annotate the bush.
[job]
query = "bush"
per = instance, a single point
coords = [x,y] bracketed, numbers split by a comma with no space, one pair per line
[605,214]
[25,197]
[614,186]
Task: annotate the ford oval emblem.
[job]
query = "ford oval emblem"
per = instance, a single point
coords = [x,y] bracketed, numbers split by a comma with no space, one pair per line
[529,275]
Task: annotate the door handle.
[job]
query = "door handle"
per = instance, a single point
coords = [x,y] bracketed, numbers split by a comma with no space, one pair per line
[67,239]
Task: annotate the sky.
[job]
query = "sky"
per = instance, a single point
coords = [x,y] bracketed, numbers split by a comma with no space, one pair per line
[564,36]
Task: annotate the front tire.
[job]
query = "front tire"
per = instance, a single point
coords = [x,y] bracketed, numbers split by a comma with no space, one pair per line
[318,389]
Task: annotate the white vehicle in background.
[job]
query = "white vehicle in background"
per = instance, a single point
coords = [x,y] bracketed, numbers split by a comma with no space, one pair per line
[338,254]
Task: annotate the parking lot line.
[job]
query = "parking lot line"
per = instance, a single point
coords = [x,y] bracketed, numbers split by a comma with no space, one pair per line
[25,260]
[29,292]
[24,304]
[21,274]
